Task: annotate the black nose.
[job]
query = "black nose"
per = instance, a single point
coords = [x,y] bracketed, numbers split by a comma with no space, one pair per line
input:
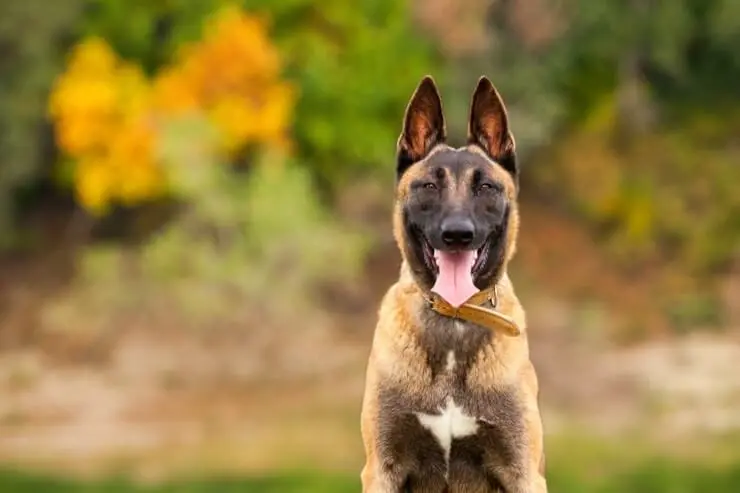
[457,232]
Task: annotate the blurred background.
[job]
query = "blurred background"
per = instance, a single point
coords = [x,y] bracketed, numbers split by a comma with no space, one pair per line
[195,232]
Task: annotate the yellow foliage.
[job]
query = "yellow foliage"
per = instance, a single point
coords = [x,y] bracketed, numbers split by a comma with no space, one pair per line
[83,101]
[232,74]
[107,113]
[100,107]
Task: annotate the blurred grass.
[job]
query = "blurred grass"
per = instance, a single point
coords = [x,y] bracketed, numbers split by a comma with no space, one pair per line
[587,467]
[20,483]
[660,475]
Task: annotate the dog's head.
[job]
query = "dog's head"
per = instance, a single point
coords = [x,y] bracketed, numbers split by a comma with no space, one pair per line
[456,216]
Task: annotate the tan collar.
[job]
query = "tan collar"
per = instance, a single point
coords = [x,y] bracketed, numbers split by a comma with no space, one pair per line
[472,311]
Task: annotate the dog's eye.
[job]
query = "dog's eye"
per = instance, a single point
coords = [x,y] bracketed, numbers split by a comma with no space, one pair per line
[430,186]
[487,187]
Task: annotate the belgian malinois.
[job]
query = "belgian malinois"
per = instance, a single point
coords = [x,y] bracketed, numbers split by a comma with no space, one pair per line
[451,397]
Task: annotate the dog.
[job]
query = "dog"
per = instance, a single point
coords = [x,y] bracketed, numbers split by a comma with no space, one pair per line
[451,396]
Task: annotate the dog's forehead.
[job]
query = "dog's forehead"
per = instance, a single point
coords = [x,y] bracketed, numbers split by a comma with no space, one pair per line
[458,162]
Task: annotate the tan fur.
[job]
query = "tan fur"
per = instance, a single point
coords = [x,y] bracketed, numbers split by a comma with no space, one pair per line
[398,359]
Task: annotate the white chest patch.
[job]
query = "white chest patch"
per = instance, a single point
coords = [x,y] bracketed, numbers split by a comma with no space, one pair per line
[451,423]
[451,361]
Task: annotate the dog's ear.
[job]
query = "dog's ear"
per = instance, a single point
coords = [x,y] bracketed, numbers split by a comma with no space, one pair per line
[423,125]
[488,127]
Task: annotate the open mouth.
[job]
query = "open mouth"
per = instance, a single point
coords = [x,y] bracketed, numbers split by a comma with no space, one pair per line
[455,271]
[480,255]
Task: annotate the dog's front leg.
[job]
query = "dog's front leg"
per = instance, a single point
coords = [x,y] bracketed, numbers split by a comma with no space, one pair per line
[537,482]
[374,478]
[376,481]
[372,481]
[378,477]
[530,476]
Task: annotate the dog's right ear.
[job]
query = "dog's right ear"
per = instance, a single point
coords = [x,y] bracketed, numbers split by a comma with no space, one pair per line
[423,125]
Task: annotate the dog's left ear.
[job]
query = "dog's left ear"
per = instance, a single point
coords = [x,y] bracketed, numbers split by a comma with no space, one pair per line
[488,127]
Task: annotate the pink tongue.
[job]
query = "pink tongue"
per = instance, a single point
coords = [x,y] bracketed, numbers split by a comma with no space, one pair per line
[455,281]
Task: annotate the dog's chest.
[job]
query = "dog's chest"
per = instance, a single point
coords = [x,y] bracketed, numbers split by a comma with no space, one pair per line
[450,348]
[448,429]
[451,422]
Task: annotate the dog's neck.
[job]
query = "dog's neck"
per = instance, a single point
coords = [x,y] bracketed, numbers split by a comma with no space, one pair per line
[474,310]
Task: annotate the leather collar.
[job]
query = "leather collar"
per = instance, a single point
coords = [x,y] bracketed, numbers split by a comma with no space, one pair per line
[474,311]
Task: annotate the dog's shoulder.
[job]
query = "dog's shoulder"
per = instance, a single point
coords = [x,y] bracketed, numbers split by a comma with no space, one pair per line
[508,302]
[396,349]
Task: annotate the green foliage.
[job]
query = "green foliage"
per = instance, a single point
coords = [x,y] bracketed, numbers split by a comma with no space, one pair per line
[146,32]
[355,63]
[243,242]
[244,232]
[668,193]
[682,47]
[683,50]
[31,57]
[641,145]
